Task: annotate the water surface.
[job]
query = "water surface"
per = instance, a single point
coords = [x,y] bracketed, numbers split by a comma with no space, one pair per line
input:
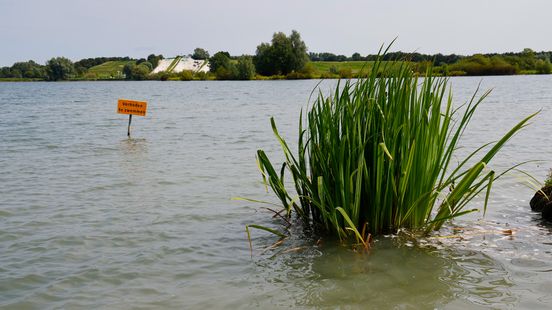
[91,219]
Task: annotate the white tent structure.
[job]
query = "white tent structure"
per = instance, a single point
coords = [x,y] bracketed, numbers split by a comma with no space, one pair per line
[179,64]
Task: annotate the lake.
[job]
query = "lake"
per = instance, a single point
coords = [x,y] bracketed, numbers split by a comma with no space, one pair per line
[92,219]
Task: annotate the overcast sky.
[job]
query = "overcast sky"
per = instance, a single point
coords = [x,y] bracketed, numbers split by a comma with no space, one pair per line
[40,29]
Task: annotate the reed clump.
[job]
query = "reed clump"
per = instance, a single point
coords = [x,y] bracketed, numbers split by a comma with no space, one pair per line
[377,154]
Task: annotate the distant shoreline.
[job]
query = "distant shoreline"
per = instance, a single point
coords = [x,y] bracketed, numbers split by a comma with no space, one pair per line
[223,66]
[273,78]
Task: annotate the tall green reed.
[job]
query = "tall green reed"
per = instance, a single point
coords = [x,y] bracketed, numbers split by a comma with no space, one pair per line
[376,156]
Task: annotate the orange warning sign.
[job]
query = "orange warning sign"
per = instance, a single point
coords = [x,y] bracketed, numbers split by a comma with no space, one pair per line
[133,107]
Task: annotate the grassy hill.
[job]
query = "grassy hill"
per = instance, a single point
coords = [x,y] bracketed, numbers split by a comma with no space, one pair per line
[107,70]
[354,66]
[345,69]
[321,69]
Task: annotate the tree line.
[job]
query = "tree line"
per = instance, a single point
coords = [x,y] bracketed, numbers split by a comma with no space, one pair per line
[285,56]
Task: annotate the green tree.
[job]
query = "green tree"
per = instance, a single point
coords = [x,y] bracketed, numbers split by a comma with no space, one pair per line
[227,73]
[543,66]
[356,57]
[148,64]
[127,70]
[139,72]
[200,54]
[5,72]
[263,59]
[11,73]
[245,68]
[59,68]
[299,52]
[527,52]
[283,55]
[29,69]
[484,65]
[527,60]
[154,59]
[219,60]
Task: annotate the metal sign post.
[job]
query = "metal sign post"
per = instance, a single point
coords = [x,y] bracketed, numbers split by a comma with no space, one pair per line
[129,121]
[131,107]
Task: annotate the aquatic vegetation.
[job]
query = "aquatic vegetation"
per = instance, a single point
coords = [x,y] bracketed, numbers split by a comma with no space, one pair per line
[548,181]
[376,156]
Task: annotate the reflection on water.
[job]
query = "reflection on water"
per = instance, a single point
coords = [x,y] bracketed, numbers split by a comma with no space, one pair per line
[377,280]
[390,276]
[479,279]
[133,146]
[133,159]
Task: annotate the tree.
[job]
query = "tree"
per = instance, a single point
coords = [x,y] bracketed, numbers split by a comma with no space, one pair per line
[528,52]
[229,73]
[246,68]
[263,60]
[543,67]
[356,57]
[148,64]
[299,50]
[5,72]
[88,63]
[327,57]
[222,66]
[314,56]
[133,71]
[29,69]
[341,58]
[154,59]
[59,68]
[282,56]
[219,60]
[127,70]
[200,54]
[140,72]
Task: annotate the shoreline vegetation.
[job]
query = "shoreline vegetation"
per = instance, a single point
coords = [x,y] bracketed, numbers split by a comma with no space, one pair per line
[285,57]
[378,155]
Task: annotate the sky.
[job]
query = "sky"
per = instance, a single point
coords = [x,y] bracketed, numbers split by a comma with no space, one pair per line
[76,29]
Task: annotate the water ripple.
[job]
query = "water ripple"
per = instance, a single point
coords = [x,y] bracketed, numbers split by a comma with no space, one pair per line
[92,219]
